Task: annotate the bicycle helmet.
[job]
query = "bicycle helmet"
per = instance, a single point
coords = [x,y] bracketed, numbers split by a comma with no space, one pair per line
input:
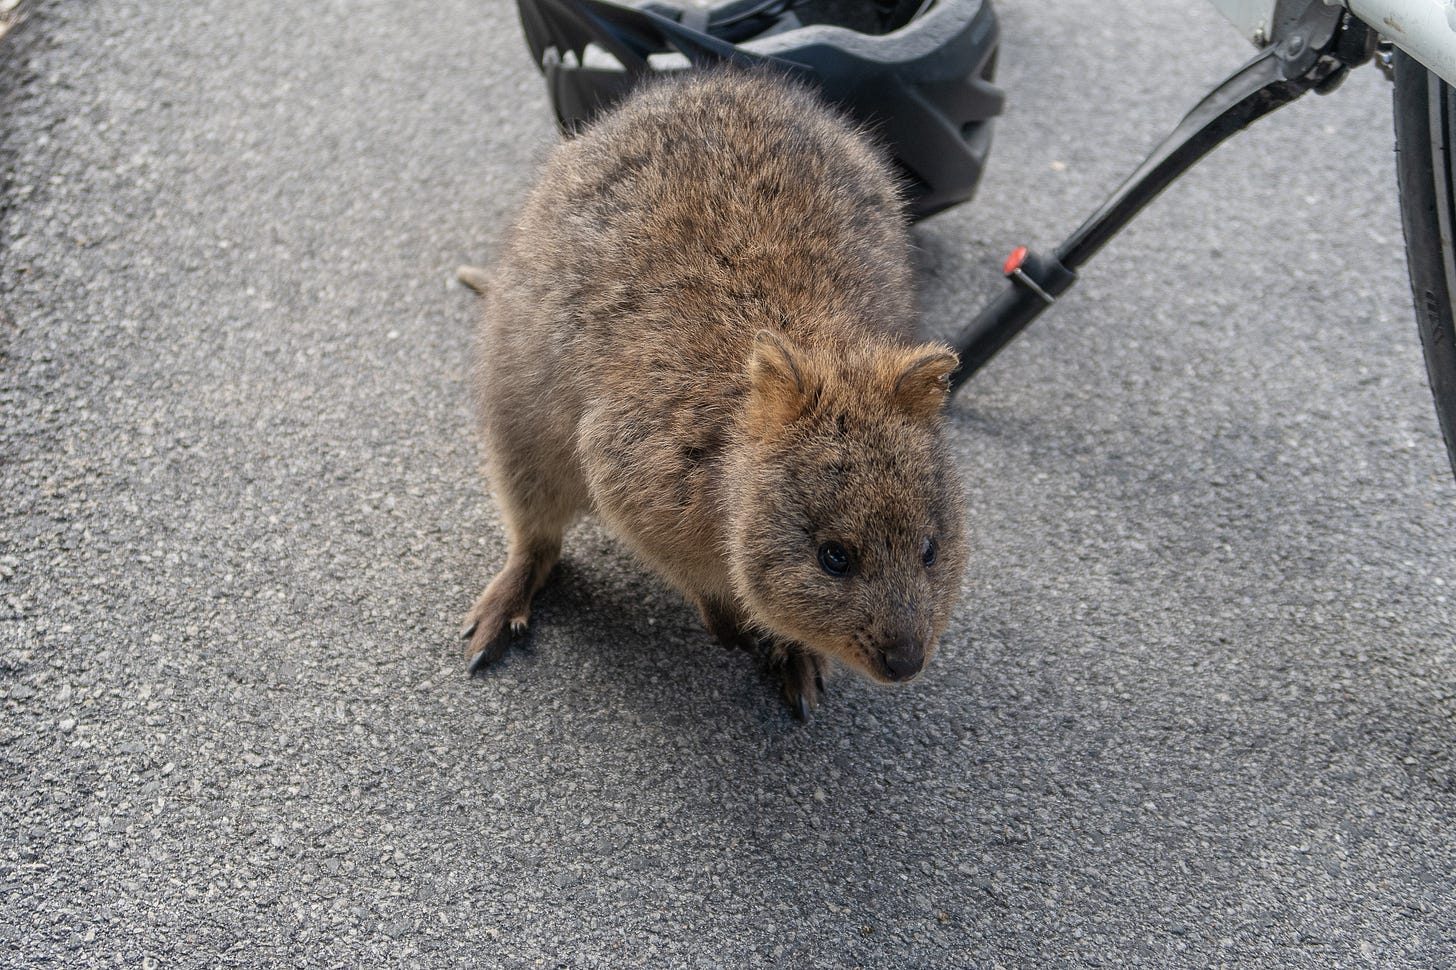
[916,72]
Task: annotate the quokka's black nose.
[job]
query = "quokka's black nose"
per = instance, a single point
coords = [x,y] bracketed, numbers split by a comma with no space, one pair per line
[903,659]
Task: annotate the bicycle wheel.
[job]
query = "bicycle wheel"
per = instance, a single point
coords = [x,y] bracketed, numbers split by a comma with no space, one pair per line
[1425,124]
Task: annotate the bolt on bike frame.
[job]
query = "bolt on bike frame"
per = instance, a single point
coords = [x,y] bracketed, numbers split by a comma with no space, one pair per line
[1424,29]
[1312,51]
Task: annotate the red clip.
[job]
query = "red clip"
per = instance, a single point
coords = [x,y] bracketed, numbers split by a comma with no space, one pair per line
[1014,261]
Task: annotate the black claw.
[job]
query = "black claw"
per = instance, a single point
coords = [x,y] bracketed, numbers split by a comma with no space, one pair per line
[469,631]
[819,681]
[803,709]
[479,662]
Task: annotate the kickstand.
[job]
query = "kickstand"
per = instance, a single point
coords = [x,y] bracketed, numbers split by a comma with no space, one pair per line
[1314,53]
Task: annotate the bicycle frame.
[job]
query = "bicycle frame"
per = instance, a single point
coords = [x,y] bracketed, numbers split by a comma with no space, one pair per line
[1308,45]
[1424,29]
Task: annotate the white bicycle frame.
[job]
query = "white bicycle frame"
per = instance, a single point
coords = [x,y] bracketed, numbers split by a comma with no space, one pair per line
[1424,29]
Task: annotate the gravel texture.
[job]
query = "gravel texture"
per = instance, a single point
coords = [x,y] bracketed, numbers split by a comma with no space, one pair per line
[1197,709]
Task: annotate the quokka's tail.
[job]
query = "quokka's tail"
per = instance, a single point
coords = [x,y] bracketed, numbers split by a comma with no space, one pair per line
[475,278]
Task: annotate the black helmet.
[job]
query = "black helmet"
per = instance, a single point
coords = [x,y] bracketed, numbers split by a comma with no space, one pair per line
[917,72]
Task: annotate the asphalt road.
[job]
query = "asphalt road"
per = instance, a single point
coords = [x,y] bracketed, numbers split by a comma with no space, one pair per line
[1197,707]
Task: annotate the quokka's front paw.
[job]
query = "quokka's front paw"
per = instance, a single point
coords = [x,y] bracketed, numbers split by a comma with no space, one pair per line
[801,676]
[726,625]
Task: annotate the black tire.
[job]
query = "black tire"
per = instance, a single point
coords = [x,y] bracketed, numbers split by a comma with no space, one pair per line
[1425,123]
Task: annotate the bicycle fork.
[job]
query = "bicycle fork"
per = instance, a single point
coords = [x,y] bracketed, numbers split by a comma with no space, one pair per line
[1313,50]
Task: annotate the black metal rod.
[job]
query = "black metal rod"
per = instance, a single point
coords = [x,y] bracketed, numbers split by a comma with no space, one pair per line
[1015,307]
[1248,94]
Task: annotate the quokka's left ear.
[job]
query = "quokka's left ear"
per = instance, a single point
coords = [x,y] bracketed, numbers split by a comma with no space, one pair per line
[922,379]
[777,382]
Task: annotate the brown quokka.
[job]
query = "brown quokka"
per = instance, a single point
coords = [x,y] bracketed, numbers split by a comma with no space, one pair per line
[700,329]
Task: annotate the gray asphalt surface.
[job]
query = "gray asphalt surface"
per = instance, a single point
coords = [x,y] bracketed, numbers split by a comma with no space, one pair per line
[1197,708]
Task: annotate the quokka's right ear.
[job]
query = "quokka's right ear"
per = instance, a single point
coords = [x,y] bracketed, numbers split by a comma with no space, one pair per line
[776,385]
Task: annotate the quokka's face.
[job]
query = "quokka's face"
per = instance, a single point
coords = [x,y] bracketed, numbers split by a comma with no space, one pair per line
[848,534]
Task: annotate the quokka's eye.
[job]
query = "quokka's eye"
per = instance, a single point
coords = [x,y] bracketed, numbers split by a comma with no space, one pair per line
[927,552]
[834,559]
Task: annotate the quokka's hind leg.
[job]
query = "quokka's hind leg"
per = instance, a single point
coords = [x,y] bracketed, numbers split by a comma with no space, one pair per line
[537,506]
[503,609]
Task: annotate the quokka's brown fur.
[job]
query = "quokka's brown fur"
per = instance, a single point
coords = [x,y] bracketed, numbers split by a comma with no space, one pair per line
[700,329]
